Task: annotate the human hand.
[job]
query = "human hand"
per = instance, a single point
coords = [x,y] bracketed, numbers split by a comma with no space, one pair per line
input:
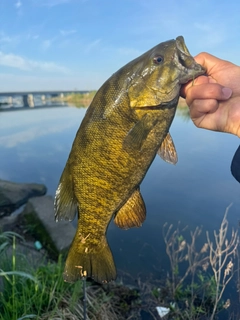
[214,99]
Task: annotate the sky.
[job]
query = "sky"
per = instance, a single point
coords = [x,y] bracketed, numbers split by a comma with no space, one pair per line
[78,44]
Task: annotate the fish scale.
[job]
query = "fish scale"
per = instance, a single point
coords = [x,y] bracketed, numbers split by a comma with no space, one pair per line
[124,128]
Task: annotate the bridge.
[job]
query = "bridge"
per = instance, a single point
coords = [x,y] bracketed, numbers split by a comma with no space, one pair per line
[28,97]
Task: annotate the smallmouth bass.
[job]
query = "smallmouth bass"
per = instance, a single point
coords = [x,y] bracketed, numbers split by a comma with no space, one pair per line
[124,128]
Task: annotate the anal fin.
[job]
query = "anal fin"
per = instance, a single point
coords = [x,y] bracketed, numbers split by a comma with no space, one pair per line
[132,213]
[167,150]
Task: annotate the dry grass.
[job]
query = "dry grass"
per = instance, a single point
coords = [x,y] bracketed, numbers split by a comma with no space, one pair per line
[103,303]
[207,272]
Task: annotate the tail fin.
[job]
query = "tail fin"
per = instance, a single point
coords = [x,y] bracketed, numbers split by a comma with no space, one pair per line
[94,263]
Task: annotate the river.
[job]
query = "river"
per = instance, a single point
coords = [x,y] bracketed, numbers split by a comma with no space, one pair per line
[35,144]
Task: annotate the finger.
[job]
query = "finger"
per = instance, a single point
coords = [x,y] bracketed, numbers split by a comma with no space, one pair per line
[198,81]
[208,91]
[208,61]
[201,107]
[212,64]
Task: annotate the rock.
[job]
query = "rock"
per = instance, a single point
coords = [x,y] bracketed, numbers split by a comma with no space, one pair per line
[13,195]
[7,223]
[39,215]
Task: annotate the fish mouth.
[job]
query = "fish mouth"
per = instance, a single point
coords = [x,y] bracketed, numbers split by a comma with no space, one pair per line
[190,69]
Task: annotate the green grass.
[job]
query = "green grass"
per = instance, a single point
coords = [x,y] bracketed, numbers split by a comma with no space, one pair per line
[27,292]
[39,292]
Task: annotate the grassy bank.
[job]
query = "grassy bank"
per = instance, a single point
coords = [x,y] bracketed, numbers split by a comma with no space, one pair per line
[34,289]
[79,99]
[37,291]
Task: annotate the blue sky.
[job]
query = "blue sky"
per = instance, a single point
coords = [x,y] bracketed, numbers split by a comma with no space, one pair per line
[78,44]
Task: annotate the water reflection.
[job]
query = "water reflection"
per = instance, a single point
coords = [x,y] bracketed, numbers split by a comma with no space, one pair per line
[201,182]
[17,106]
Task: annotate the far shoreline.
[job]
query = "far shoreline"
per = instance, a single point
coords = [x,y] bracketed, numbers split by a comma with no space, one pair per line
[78,99]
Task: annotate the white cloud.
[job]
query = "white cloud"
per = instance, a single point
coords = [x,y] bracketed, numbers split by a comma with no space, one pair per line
[30,36]
[4,38]
[47,66]
[92,45]
[11,60]
[51,3]
[18,4]
[18,62]
[46,44]
[67,32]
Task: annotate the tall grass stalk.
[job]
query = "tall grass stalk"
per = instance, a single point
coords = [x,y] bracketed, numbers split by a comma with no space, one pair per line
[13,275]
[205,287]
[221,258]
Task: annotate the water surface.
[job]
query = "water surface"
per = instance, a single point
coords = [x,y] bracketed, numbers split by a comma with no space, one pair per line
[34,146]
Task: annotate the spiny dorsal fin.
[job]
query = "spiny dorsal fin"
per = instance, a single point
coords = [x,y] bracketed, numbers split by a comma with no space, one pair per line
[167,150]
[132,213]
[65,203]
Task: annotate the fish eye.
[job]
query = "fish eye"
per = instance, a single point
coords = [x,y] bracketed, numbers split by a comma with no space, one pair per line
[158,59]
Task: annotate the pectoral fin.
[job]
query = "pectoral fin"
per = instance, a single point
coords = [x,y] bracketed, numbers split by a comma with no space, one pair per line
[167,150]
[132,213]
[138,134]
[65,203]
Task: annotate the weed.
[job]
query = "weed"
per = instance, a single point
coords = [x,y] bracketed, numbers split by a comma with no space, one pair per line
[197,292]
[28,292]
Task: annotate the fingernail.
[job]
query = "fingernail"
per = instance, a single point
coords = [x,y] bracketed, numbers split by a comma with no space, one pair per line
[227,92]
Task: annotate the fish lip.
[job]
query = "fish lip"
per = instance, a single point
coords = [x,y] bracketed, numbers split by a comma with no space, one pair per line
[191,69]
[180,44]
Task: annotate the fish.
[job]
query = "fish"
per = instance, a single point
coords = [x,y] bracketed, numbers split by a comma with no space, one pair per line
[124,128]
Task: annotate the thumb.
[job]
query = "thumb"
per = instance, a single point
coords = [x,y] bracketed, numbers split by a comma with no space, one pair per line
[226,93]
